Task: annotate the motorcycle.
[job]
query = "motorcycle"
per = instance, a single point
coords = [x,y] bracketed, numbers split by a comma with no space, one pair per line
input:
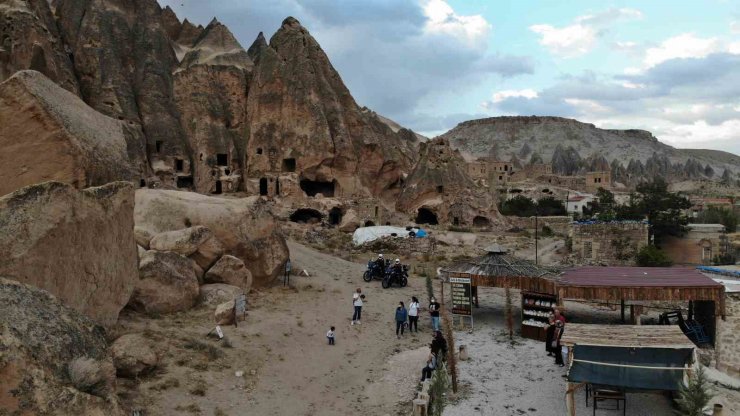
[373,272]
[392,276]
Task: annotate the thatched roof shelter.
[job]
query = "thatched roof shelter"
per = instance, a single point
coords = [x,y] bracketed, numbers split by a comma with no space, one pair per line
[497,268]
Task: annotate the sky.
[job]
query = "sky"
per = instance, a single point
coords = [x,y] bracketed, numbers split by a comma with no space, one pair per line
[668,66]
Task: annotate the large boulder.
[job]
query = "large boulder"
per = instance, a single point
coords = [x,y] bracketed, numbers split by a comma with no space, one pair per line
[53,360]
[184,242]
[50,134]
[133,356]
[350,222]
[208,252]
[230,270]
[245,227]
[218,293]
[224,314]
[168,283]
[78,245]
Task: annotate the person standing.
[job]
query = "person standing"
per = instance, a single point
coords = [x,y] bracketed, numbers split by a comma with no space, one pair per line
[330,336]
[414,314]
[549,332]
[357,301]
[286,277]
[401,316]
[559,316]
[557,347]
[434,312]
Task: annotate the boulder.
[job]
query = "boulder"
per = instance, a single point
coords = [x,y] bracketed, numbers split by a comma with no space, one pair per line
[350,222]
[133,356]
[143,237]
[245,227]
[199,273]
[140,250]
[230,270]
[224,313]
[80,146]
[218,293]
[184,242]
[54,360]
[78,245]
[168,283]
[208,252]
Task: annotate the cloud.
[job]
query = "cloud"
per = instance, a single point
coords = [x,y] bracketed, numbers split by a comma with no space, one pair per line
[442,19]
[685,45]
[581,37]
[735,28]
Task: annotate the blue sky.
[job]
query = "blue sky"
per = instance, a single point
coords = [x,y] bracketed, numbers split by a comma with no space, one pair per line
[671,67]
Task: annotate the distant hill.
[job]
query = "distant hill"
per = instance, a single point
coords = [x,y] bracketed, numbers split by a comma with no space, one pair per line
[574,147]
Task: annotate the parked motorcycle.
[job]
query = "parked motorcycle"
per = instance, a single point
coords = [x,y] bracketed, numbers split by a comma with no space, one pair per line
[393,275]
[373,272]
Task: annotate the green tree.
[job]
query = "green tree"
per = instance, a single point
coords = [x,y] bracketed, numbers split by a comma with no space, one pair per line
[663,209]
[550,206]
[717,215]
[519,205]
[651,256]
[693,398]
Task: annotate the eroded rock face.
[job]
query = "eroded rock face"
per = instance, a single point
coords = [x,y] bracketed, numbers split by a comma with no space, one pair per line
[40,340]
[184,242]
[133,356]
[29,39]
[218,293]
[231,271]
[168,283]
[245,227]
[78,245]
[439,189]
[207,253]
[224,313]
[48,133]
[303,119]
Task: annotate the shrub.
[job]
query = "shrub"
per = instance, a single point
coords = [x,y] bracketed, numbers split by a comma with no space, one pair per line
[651,256]
[438,390]
[693,398]
[546,231]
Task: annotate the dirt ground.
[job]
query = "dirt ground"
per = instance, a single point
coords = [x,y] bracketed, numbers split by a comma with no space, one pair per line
[281,348]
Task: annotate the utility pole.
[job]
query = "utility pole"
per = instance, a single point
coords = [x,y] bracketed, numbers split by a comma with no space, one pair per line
[536,234]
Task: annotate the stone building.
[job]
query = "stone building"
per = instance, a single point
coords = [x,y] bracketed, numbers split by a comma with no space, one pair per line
[596,180]
[578,201]
[699,246]
[610,243]
[728,336]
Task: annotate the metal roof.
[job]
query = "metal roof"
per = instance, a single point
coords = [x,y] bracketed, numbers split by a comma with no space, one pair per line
[636,277]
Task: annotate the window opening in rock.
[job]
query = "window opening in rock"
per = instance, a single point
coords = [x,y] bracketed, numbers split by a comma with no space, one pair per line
[306,216]
[440,189]
[222,159]
[335,216]
[311,188]
[142,183]
[184,181]
[376,212]
[289,165]
[480,221]
[259,150]
[219,188]
[200,157]
[277,187]
[369,224]
[227,172]
[426,216]
[455,221]
[263,186]
[179,164]
[158,144]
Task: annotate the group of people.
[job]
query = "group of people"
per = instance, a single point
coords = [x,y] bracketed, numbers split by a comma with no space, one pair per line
[412,315]
[555,329]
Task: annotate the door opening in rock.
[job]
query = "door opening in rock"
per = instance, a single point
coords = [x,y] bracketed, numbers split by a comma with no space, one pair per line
[263,186]
[306,216]
[479,221]
[455,221]
[219,187]
[369,224]
[184,181]
[277,187]
[426,216]
[311,188]
[179,165]
[158,145]
[440,189]
[289,165]
[142,183]
[222,159]
[335,216]
[259,150]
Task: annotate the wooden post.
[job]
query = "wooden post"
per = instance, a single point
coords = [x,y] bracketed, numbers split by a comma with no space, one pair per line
[570,401]
[622,305]
[632,314]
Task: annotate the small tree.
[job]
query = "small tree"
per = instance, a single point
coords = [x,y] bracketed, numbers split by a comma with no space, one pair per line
[550,206]
[651,256]
[438,390]
[519,205]
[693,398]
[509,313]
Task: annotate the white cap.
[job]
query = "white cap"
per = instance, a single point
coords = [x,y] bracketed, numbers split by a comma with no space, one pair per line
[380,255]
[398,261]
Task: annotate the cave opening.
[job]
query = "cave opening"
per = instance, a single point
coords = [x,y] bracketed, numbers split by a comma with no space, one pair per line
[480,221]
[306,216]
[222,159]
[335,216]
[142,183]
[277,187]
[426,216]
[311,188]
[184,181]
[369,224]
[263,186]
[179,165]
[219,188]
[289,165]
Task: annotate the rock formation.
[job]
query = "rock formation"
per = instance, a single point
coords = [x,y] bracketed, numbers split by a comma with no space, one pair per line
[48,133]
[217,293]
[168,283]
[245,227]
[303,120]
[78,245]
[133,356]
[54,360]
[439,190]
[231,271]
[30,40]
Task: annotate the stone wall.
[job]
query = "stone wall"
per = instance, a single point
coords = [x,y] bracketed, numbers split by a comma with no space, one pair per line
[558,224]
[698,246]
[728,337]
[610,243]
[596,180]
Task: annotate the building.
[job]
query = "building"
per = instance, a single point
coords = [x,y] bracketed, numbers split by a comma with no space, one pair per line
[699,246]
[700,204]
[596,180]
[610,243]
[578,201]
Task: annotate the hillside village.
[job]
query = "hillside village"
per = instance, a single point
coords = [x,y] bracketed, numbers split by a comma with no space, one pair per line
[183,218]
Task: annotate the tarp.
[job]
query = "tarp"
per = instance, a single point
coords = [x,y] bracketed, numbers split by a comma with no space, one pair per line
[630,367]
[364,234]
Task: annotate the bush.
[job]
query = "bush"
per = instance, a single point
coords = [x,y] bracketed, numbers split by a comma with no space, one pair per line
[438,390]
[716,215]
[546,231]
[519,205]
[693,398]
[724,260]
[651,256]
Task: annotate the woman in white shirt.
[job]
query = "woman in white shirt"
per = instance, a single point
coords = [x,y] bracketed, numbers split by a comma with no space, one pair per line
[414,314]
[357,299]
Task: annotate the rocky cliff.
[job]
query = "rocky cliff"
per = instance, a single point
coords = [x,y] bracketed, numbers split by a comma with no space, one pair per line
[574,147]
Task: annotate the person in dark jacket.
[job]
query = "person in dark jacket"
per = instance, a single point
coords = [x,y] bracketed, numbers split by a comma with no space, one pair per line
[548,336]
[439,344]
[401,317]
[557,347]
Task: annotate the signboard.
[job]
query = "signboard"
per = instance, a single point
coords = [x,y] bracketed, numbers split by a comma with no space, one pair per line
[240,305]
[462,300]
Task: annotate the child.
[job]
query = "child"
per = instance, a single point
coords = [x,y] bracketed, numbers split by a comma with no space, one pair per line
[330,336]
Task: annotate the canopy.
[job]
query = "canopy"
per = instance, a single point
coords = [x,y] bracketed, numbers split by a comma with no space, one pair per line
[364,234]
